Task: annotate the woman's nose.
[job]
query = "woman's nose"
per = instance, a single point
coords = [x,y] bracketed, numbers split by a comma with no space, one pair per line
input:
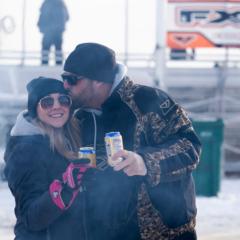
[56,104]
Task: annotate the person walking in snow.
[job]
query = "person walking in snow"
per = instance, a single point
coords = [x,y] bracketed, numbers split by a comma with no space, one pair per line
[150,194]
[42,171]
[51,23]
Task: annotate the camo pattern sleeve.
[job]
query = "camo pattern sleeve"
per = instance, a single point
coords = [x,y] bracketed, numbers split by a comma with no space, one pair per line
[171,146]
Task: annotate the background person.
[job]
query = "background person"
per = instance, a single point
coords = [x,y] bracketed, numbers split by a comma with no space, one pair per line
[41,175]
[51,23]
[150,194]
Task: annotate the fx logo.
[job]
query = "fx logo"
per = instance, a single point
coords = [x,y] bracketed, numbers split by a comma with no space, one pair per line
[208,17]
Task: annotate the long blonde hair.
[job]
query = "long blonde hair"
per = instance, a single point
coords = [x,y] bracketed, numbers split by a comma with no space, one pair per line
[65,140]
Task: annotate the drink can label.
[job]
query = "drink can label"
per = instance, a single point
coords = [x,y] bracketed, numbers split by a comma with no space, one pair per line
[88,152]
[113,143]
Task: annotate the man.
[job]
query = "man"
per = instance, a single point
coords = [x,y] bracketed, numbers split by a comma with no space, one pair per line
[150,194]
[51,23]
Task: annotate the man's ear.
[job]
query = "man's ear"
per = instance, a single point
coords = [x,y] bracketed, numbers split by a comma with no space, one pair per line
[105,88]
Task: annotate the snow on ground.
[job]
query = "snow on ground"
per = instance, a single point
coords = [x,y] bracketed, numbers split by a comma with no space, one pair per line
[7,218]
[218,217]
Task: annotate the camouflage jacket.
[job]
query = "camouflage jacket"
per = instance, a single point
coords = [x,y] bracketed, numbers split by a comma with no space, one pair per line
[156,127]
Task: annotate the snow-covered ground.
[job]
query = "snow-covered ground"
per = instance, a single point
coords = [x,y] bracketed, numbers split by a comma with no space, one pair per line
[7,218]
[218,217]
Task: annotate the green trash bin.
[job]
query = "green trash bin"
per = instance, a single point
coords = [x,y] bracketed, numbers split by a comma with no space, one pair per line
[208,173]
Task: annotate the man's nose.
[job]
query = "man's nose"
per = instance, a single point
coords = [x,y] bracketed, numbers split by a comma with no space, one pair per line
[66,85]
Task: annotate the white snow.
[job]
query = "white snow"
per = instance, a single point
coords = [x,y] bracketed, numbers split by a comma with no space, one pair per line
[7,218]
[218,217]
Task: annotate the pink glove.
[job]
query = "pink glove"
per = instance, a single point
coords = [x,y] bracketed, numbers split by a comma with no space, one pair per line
[64,192]
[74,172]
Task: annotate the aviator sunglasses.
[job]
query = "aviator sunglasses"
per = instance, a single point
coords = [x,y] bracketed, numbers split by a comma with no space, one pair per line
[71,79]
[48,101]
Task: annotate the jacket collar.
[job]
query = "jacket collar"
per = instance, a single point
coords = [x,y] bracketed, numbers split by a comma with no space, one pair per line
[122,71]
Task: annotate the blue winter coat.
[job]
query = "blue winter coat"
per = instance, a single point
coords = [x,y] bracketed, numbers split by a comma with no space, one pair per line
[31,166]
[53,16]
[105,209]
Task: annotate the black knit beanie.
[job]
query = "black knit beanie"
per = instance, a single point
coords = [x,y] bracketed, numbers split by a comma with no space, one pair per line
[93,61]
[39,88]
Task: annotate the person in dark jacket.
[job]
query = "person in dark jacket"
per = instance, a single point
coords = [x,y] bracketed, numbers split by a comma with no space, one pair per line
[150,194]
[42,171]
[51,23]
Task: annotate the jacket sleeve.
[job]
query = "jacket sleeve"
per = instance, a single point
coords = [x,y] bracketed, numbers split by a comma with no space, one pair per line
[172,147]
[66,14]
[28,181]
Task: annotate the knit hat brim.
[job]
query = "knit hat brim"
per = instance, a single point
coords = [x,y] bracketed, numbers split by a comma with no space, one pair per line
[93,61]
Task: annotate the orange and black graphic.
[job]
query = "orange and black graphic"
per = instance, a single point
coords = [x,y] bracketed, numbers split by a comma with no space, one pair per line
[187,40]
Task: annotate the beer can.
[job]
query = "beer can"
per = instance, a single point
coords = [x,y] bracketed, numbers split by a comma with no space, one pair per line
[88,152]
[113,143]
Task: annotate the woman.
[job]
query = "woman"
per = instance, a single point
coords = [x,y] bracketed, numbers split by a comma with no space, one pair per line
[39,169]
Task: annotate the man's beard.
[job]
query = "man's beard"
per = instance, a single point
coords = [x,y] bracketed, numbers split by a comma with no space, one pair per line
[77,103]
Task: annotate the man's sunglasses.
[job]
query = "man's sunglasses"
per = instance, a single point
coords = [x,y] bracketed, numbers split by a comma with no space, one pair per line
[71,79]
[48,101]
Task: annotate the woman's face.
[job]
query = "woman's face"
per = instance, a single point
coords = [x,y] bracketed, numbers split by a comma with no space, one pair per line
[54,109]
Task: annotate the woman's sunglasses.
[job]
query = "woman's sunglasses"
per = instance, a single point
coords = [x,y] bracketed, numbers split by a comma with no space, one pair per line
[48,101]
[71,79]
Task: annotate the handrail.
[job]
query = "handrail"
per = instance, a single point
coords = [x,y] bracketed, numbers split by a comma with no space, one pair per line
[133,59]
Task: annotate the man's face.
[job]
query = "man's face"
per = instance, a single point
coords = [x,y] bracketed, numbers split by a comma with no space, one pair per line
[83,92]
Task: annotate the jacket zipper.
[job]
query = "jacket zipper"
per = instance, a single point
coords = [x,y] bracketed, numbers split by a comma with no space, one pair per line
[84,213]
[48,234]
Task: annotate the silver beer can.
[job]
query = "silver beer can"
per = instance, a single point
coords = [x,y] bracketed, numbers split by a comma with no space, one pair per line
[113,143]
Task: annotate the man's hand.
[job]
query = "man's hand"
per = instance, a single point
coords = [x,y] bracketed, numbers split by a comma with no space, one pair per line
[132,164]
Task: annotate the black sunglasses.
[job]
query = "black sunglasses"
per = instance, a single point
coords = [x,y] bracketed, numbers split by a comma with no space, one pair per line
[71,79]
[48,101]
